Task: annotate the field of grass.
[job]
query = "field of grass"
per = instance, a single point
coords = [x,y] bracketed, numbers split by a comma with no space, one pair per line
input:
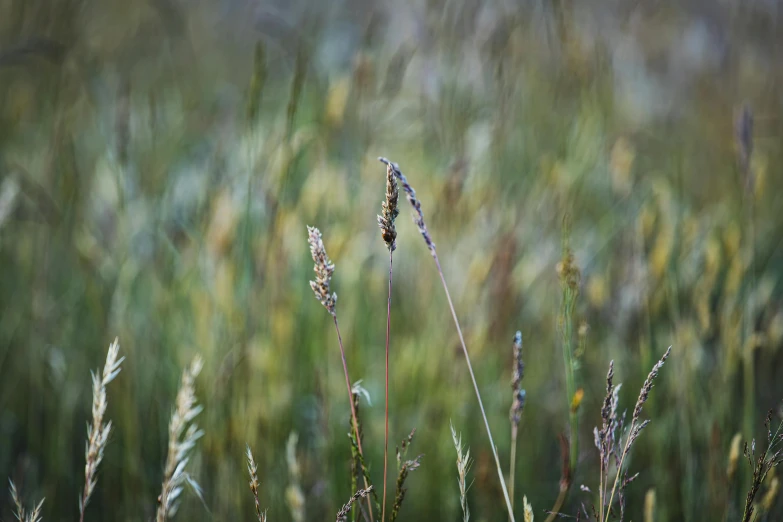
[601,176]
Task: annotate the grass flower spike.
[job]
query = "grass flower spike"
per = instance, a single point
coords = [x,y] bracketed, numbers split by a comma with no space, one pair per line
[389,210]
[463,466]
[183,434]
[252,470]
[98,432]
[324,268]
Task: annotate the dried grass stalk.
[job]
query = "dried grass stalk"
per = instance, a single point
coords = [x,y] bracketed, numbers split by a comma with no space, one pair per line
[463,466]
[183,434]
[324,268]
[98,432]
[528,510]
[605,438]
[342,515]
[21,514]
[252,470]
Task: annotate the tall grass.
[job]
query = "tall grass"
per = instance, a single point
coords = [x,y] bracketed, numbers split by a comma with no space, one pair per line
[159,163]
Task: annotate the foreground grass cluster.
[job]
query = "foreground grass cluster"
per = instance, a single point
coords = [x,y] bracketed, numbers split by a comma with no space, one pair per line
[599,177]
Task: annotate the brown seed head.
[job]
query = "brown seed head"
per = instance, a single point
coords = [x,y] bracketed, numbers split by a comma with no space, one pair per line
[418,216]
[324,268]
[342,515]
[389,210]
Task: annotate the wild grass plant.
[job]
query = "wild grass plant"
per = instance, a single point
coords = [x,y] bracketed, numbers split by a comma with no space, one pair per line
[158,165]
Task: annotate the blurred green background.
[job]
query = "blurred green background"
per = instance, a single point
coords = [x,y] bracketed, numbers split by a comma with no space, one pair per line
[159,161]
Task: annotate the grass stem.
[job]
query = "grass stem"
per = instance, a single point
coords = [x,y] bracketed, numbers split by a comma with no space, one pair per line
[353,409]
[386,414]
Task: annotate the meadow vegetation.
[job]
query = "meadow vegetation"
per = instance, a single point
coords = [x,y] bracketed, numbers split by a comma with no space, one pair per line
[598,177]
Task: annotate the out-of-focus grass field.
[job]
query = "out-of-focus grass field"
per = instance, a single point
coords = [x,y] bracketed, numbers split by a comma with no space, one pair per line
[159,161]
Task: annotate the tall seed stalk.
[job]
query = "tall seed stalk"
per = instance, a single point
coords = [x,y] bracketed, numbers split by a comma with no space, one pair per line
[517,406]
[418,218]
[324,268]
[389,213]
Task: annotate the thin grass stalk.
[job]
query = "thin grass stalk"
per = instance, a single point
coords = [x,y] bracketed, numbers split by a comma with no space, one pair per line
[569,276]
[569,279]
[353,409]
[419,220]
[744,141]
[389,213]
[636,427]
[476,389]
[513,461]
[324,268]
[386,413]
[517,407]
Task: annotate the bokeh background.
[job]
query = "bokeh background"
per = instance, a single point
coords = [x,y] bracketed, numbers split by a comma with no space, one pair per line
[159,161]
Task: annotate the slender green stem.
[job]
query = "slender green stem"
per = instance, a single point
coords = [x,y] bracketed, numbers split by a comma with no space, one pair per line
[353,408]
[475,388]
[619,470]
[513,462]
[568,358]
[386,416]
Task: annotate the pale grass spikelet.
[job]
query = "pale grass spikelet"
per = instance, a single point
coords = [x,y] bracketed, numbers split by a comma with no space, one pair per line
[463,466]
[324,268]
[98,432]
[183,434]
[528,509]
[21,514]
[342,515]
[17,501]
[389,210]
[252,470]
